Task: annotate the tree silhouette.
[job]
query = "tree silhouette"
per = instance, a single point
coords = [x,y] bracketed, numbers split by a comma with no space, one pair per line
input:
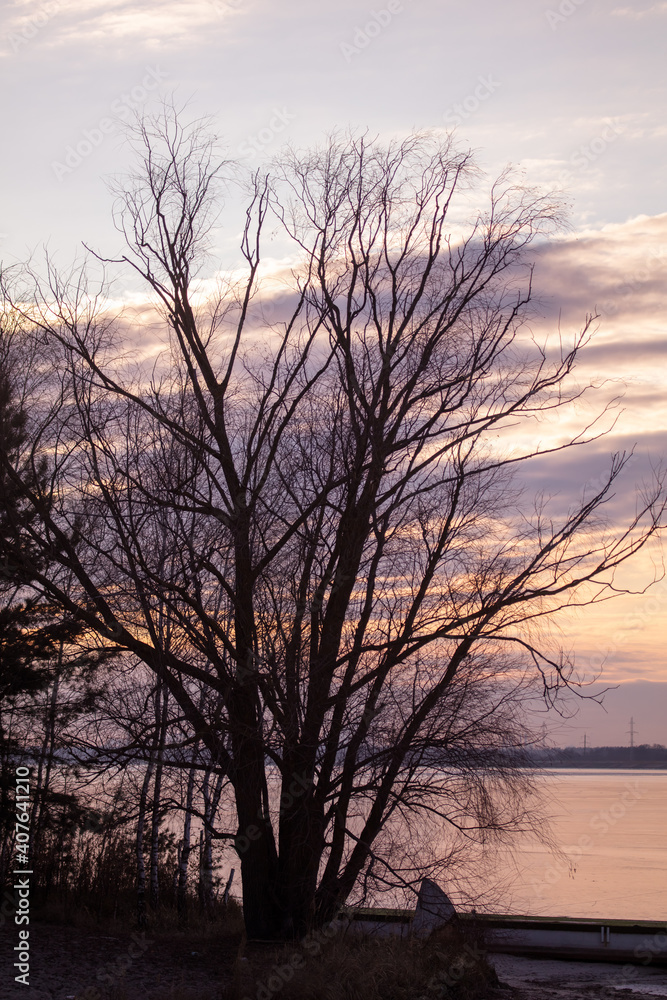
[319,512]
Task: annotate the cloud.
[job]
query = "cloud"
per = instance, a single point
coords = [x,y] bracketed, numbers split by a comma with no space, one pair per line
[637,15]
[619,269]
[108,22]
[618,274]
[613,353]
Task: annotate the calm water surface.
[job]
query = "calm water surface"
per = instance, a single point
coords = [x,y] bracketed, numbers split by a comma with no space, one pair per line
[612,829]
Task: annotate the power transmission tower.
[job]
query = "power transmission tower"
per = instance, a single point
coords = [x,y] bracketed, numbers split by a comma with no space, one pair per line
[632,731]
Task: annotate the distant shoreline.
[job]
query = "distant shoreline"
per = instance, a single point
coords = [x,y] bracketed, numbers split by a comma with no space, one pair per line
[620,765]
[643,757]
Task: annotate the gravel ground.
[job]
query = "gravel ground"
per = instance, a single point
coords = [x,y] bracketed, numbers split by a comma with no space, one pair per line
[66,962]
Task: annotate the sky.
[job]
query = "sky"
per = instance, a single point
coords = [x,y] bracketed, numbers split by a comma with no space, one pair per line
[571,92]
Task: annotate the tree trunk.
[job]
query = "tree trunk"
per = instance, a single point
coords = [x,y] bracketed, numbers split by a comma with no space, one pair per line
[141,866]
[45,765]
[265,918]
[161,710]
[225,895]
[185,847]
[300,849]
[141,826]
[211,803]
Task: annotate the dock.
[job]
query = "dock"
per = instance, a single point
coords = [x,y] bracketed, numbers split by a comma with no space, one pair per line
[638,942]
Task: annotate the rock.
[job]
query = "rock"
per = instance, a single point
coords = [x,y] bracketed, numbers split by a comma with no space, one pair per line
[434,909]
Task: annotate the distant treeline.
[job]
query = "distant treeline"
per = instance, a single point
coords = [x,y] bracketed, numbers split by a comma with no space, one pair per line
[654,755]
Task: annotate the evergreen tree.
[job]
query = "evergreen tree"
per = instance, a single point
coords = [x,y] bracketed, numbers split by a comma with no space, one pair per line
[41,656]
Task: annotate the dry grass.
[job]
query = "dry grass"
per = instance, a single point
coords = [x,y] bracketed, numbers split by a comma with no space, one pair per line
[213,961]
[342,968]
[327,965]
[65,909]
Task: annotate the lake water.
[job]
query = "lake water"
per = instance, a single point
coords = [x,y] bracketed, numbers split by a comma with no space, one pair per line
[611,827]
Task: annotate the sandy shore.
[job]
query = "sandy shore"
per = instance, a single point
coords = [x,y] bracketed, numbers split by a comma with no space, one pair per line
[547,979]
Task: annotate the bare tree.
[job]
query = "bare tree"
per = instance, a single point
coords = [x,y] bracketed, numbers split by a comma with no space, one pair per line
[185,845]
[352,572]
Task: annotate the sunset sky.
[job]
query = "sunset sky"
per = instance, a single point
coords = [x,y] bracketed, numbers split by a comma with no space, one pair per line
[571,91]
